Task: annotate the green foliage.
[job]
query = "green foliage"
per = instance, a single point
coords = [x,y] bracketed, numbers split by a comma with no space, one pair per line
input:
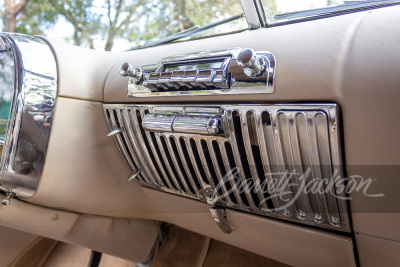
[135,20]
[37,16]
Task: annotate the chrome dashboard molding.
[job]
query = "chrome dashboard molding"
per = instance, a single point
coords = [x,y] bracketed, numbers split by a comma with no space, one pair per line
[239,83]
[31,115]
[259,140]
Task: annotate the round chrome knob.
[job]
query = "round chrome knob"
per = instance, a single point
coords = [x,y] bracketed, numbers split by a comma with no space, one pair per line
[253,65]
[135,73]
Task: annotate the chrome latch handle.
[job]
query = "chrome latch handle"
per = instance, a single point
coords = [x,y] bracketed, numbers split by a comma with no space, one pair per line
[219,216]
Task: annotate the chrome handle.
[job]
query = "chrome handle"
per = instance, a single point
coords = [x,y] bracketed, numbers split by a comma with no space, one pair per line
[253,65]
[202,125]
[135,73]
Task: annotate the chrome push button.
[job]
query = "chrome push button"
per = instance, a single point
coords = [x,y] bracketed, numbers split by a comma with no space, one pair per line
[165,79]
[221,79]
[177,77]
[187,80]
[206,77]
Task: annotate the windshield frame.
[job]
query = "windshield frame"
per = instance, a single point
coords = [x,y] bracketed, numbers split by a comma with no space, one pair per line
[256,19]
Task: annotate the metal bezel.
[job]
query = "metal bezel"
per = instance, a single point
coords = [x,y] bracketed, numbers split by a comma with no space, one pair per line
[31,115]
[230,65]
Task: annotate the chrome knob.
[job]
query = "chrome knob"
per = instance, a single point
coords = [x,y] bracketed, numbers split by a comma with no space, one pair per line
[253,65]
[135,73]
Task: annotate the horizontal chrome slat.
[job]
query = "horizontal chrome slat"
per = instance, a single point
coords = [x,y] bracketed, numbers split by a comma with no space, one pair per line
[259,162]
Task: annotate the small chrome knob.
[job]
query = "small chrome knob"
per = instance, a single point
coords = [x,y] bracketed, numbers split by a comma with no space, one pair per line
[135,73]
[254,66]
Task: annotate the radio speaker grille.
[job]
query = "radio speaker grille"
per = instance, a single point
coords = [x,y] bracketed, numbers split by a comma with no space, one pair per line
[263,161]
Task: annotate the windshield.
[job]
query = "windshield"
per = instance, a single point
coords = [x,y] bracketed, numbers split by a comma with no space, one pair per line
[118,25]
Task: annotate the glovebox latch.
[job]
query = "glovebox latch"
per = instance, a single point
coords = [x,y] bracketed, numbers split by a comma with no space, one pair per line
[219,216]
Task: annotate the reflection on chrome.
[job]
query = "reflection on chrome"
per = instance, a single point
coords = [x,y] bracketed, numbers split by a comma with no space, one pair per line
[29,114]
[7,75]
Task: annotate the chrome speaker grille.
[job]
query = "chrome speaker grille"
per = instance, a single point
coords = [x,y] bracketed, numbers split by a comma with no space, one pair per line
[263,159]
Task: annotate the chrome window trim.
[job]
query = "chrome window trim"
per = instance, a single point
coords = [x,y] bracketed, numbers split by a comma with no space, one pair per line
[31,115]
[254,12]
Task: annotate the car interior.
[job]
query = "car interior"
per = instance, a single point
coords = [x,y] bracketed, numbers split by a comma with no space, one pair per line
[273,145]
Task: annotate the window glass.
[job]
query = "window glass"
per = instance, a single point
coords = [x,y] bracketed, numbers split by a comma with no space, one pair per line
[285,10]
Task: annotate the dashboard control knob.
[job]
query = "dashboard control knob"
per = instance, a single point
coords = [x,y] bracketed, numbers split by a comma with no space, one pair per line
[135,73]
[253,65]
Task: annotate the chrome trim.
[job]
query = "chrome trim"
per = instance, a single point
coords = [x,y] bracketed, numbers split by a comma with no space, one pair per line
[115,131]
[181,124]
[31,114]
[134,174]
[254,12]
[230,79]
[219,216]
[260,140]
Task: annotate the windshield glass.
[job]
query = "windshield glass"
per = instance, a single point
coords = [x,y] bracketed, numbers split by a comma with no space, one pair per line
[122,24]
[118,25]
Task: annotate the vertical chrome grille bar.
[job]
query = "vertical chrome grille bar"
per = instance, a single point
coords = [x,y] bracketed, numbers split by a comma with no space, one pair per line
[317,164]
[186,166]
[204,164]
[298,161]
[195,164]
[176,165]
[131,148]
[251,161]
[131,124]
[287,199]
[267,146]
[287,151]
[237,160]
[221,181]
[231,179]
[326,163]
[303,130]
[166,162]
[158,161]
[121,146]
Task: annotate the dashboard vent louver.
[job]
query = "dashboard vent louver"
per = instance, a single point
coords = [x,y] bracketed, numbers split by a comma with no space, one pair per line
[264,150]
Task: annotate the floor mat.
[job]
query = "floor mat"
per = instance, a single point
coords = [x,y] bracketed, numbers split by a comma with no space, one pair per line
[183,248]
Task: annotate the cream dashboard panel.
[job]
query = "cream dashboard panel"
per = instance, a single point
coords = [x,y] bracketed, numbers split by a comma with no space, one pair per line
[329,61]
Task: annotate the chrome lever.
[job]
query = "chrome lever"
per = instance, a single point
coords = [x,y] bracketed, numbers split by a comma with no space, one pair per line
[115,131]
[136,74]
[219,216]
[134,174]
[9,194]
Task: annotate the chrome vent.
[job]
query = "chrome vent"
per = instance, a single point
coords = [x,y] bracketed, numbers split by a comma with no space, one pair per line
[282,161]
